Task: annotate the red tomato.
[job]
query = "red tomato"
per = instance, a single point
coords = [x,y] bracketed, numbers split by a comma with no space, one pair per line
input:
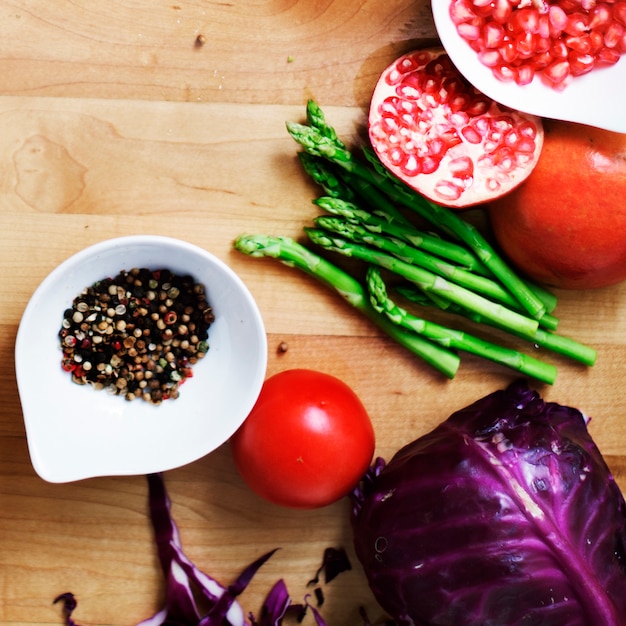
[307,442]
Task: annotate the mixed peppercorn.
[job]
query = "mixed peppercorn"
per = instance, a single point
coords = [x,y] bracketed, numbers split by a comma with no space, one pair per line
[137,334]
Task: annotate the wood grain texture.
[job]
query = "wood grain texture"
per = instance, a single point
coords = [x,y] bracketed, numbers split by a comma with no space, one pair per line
[115,121]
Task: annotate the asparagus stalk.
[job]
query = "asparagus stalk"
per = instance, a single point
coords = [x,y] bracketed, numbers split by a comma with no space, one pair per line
[318,143]
[428,282]
[406,232]
[345,184]
[320,172]
[316,119]
[556,343]
[380,205]
[405,252]
[455,339]
[410,254]
[296,255]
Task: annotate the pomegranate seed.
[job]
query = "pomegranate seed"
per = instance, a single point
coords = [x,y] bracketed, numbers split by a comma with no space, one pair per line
[453,86]
[581,63]
[619,12]
[505,73]
[580,44]
[525,44]
[406,107]
[557,72]
[527,130]
[396,156]
[597,41]
[607,56]
[505,159]
[542,44]
[479,106]
[489,58]
[459,119]
[408,92]
[407,66]
[469,31]
[420,59]
[509,52]
[430,165]
[559,50]
[525,75]
[525,146]
[577,24]
[492,35]
[410,166]
[461,168]
[525,21]
[541,61]
[461,11]
[544,29]
[558,20]
[451,139]
[613,35]
[471,135]
[601,16]
[500,125]
[389,124]
[502,11]
[448,190]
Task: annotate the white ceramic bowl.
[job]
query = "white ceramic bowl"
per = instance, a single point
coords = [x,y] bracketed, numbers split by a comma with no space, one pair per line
[76,432]
[595,99]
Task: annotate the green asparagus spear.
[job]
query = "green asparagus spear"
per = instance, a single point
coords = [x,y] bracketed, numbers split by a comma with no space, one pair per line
[370,189]
[296,255]
[455,339]
[428,282]
[410,254]
[317,143]
[406,232]
[320,172]
[551,341]
[405,252]
[316,119]
[380,204]
[548,298]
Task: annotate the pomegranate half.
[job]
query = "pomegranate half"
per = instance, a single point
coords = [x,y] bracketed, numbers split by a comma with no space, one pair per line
[444,138]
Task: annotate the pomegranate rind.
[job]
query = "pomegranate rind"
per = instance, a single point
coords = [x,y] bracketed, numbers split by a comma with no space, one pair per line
[565,226]
[444,138]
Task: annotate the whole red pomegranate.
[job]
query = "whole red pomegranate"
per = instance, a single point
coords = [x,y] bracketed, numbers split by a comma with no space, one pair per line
[565,226]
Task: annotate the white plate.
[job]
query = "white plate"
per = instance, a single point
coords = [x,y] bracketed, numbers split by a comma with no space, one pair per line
[595,99]
[76,432]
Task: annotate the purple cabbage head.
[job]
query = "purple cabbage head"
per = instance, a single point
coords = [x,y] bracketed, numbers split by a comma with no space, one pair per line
[505,514]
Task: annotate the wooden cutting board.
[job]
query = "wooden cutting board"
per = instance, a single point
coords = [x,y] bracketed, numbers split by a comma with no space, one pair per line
[124,118]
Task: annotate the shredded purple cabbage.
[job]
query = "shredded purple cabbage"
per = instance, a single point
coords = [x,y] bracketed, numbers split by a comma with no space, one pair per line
[182,577]
[506,514]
